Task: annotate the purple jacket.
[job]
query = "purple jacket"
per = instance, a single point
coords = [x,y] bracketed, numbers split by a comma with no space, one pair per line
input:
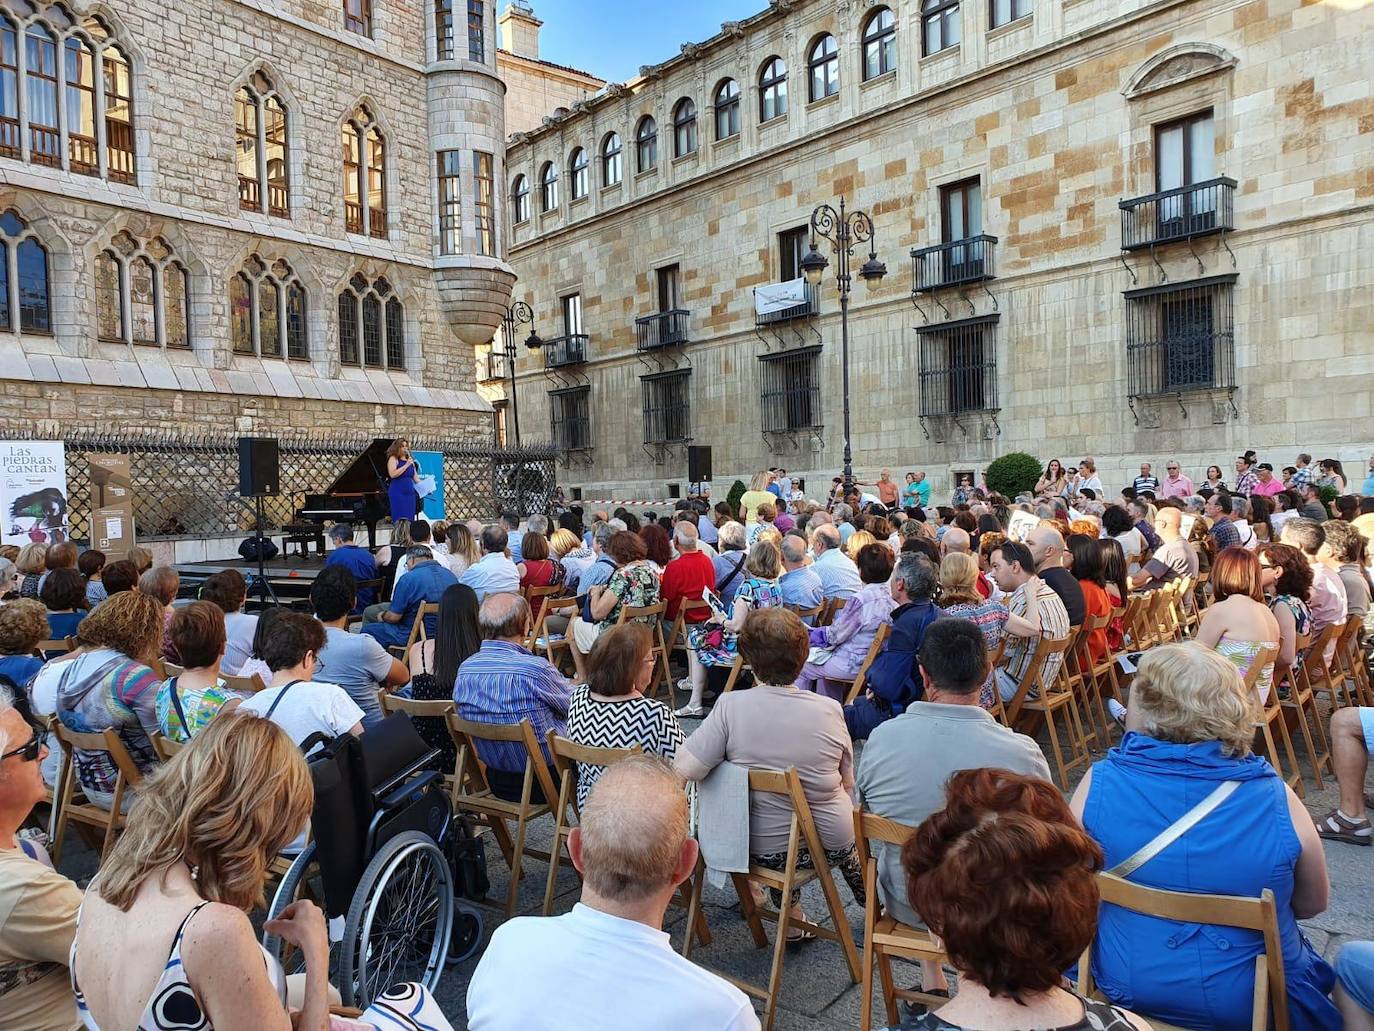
[852,633]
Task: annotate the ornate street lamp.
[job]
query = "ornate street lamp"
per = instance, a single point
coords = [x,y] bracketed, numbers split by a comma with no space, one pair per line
[518,313]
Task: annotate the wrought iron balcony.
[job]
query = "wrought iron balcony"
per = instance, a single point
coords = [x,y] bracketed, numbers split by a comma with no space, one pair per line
[661,329]
[565,350]
[953,264]
[496,367]
[1185,213]
[808,305]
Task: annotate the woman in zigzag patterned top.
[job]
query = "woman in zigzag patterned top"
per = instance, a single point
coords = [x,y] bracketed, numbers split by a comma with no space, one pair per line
[610,710]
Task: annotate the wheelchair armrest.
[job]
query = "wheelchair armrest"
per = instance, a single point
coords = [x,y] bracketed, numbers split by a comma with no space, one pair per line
[317,738]
[411,788]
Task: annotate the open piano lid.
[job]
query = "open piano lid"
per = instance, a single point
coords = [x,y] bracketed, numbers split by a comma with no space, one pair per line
[367,474]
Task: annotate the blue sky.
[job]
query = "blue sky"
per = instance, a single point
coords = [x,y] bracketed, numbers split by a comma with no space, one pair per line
[612,38]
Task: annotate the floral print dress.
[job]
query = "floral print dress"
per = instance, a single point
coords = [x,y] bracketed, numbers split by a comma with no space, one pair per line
[716,646]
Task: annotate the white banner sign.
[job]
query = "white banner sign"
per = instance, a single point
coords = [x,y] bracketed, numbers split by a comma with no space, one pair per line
[33,491]
[776,297]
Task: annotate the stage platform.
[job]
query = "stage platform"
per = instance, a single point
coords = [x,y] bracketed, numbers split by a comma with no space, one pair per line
[289,578]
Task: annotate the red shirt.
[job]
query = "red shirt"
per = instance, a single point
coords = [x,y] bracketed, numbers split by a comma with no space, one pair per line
[984,588]
[685,577]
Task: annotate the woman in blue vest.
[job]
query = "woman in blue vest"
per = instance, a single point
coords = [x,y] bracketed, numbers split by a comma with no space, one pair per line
[1187,752]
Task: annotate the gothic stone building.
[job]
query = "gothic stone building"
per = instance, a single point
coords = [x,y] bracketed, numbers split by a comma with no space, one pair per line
[1130,229]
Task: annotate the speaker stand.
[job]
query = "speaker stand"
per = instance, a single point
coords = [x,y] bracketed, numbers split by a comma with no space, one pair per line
[265,589]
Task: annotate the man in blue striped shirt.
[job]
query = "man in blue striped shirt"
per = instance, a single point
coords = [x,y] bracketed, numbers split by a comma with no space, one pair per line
[504,683]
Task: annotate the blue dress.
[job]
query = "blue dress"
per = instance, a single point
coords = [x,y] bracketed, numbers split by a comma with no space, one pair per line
[1199,975]
[400,492]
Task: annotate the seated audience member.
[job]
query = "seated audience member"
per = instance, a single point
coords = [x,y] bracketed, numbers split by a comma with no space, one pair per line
[1047,550]
[845,642]
[1286,575]
[420,536]
[357,560]
[634,583]
[1352,736]
[59,556]
[714,644]
[960,597]
[38,906]
[23,625]
[164,937]
[567,547]
[894,681]
[32,563]
[633,849]
[356,662]
[837,571]
[9,579]
[1189,731]
[91,565]
[188,701]
[1034,613]
[505,683]
[229,591]
[294,700]
[658,548]
[1238,624]
[435,661]
[1344,552]
[1174,558]
[729,561]
[463,552]
[773,726]
[610,710]
[1327,601]
[1006,878]
[111,686]
[142,559]
[510,523]
[162,583]
[121,576]
[495,572]
[256,664]
[1118,525]
[685,577]
[800,584]
[425,582]
[536,568]
[1087,569]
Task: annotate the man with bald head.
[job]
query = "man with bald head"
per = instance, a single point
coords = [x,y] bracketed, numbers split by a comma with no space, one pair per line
[799,583]
[955,541]
[1046,546]
[505,683]
[632,849]
[1174,558]
[839,575]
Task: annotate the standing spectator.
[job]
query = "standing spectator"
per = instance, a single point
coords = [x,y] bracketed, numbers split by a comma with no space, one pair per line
[1302,473]
[1332,475]
[23,625]
[1312,507]
[228,590]
[32,563]
[960,597]
[911,494]
[504,683]
[356,662]
[425,582]
[188,701]
[90,564]
[1266,483]
[1086,479]
[887,489]
[295,700]
[800,585]
[1175,484]
[847,639]
[64,595]
[1245,474]
[1046,546]
[1368,489]
[495,573]
[837,571]
[360,562]
[1146,481]
[1034,612]
[437,660]
[729,561]
[686,576]
[757,494]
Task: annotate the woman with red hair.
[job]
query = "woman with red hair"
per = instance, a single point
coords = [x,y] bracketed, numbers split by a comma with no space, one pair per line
[1239,624]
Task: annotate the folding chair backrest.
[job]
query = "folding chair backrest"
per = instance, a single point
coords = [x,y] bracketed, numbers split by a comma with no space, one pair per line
[566,754]
[1256,669]
[107,740]
[1034,675]
[805,614]
[417,629]
[537,598]
[172,669]
[465,732]
[788,783]
[165,747]
[250,684]
[644,613]
[676,635]
[437,707]
[872,827]
[874,650]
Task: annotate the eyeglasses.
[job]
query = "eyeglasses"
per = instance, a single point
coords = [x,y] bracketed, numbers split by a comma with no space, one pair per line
[29,751]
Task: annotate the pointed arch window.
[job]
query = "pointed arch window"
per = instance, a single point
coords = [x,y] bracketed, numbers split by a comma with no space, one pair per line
[142,294]
[727,109]
[25,296]
[267,310]
[612,168]
[646,145]
[364,171]
[371,325]
[260,148]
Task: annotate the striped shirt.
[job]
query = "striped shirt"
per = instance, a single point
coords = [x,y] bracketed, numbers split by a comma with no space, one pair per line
[503,683]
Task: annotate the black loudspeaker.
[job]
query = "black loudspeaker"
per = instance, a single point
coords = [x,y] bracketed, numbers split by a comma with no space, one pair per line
[259,467]
[699,464]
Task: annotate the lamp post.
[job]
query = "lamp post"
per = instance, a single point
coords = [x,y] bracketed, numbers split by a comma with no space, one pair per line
[843,230]
[518,313]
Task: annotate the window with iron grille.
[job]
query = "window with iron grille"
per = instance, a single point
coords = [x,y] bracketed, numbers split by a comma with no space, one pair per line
[450,202]
[666,398]
[1181,337]
[570,411]
[790,397]
[958,367]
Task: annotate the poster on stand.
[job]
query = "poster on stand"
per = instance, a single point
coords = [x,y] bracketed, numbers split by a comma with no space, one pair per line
[33,492]
[431,464]
[112,505]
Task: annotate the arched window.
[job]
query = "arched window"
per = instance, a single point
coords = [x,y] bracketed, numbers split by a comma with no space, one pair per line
[939,25]
[119,116]
[40,52]
[824,65]
[520,200]
[142,294]
[364,149]
[548,187]
[260,148]
[646,144]
[772,89]
[371,325]
[880,44]
[685,127]
[577,173]
[727,109]
[612,170]
[267,310]
[83,145]
[25,298]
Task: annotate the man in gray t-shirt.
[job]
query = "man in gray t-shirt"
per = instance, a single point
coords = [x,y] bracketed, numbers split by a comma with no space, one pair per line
[1176,557]
[356,662]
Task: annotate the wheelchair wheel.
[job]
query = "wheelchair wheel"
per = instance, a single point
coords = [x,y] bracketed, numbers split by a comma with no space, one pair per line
[287,892]
[466,937]
[400,921]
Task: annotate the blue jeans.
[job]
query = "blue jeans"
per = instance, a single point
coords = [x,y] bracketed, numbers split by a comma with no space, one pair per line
[387,634]
[1355,971]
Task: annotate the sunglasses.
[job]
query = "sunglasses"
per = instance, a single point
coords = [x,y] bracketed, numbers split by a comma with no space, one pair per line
[29,751]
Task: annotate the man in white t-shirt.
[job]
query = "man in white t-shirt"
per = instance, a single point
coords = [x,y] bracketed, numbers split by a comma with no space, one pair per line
[293,701]
[632,850]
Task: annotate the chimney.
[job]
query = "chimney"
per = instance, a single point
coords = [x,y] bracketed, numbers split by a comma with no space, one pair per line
[520,30]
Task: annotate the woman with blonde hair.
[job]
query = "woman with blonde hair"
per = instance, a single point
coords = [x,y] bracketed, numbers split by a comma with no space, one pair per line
[1189,729]
[462,549]
[959,597]
[32,563]
[858,540]
[757,494]
[163,937]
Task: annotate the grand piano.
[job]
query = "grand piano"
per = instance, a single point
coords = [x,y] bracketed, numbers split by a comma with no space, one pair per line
[357,496]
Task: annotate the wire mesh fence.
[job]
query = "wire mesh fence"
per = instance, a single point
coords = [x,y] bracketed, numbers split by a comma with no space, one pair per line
[187,486]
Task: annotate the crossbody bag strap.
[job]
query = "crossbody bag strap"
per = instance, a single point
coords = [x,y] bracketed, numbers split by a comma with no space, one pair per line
[733,573]
[176,704]
[1175,830]
[277,700]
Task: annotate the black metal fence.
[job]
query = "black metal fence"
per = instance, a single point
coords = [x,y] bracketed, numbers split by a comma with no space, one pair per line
[1181,337]
[187,486]
[565,350]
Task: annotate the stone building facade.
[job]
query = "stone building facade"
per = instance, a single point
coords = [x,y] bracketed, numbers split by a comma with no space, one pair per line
[535,88]
[237,217]
[1131,229]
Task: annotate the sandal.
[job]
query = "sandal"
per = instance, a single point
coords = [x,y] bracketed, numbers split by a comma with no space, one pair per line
[799,936]
[1336,826]
[691,712]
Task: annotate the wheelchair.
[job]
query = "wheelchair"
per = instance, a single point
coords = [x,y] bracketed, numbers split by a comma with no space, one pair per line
[381,863]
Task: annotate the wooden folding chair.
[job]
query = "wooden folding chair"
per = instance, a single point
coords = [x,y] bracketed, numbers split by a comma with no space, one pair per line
[1320,675]
[537,598]
[805,614]
[473,795]
[417,631]
[165,747]
[1270,1006]
[1054,697]
[652,616]
[1301,707]
[1272,719]
[54,647]
[1348,663]
[884,935]
[801,832]
[677,634]
[172,669]
[250,684]
[1099,676]
[542,640]
[72,803]
[856,686]
[437,708]
[829,608]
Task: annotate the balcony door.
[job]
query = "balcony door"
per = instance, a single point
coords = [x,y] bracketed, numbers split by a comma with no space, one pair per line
[961,219]
[1185,154]
[667,279]
[792,247]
